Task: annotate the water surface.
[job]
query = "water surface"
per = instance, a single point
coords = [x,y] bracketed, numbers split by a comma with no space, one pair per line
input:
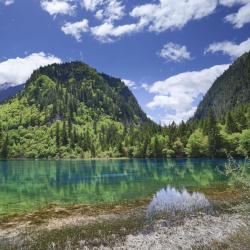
[32,184]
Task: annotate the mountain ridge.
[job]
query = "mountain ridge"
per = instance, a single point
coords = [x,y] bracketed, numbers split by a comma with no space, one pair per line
[228,91]
[83,84]
[7,91]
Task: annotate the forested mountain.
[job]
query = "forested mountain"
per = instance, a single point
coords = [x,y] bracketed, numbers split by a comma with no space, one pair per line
[230,90]
[7,91]
[71,111]
[63,90]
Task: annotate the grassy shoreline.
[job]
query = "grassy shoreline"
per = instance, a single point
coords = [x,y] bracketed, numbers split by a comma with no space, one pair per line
[105,225]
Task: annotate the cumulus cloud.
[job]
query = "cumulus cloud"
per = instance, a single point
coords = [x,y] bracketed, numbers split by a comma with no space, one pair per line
[229,48]
[155,16]
[17,70]
[7,2]
[91,5]
[177,94]
[54,7]
[107,32]
[172,14]
[174,52]
[107,10]
[111,11]
[76,29]
[242,16]
[130,84]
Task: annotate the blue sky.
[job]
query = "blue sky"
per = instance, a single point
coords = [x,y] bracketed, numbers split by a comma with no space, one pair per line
[168,52]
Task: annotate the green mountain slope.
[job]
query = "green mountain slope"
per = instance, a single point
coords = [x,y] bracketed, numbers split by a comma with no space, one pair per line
[64,88]
[230,90]
[70,110]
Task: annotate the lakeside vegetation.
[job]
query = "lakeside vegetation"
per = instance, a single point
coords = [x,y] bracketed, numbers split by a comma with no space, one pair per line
[25,133]
[71,111]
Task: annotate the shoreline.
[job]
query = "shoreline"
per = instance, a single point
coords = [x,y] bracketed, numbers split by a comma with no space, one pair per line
[122,228]
[117,158]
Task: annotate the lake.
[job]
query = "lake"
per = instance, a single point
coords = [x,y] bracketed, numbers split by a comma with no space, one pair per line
[32,184]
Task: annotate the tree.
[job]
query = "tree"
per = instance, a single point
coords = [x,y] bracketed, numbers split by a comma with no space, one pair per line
[213,133]
[64,134]
[244,143]
[5,150]
[231,126]
[92,150]
[241,119]
[197,145]
[57,134]
[178,147]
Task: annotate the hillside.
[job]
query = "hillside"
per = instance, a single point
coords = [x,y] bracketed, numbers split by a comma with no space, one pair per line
[70,110]
[231,89]
[61,89]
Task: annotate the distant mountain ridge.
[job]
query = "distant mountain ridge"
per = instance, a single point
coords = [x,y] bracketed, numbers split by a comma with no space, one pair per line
[7,91]
[231,89]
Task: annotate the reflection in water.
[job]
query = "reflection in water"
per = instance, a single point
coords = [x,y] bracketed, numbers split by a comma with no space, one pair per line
[170,201]
[26,185]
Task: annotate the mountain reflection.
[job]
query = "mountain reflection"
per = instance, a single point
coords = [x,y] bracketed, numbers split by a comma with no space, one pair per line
[34,184]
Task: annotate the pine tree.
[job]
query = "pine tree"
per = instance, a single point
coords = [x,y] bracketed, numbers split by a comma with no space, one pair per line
[5,150]
[241,119]
[64,134]
[57,134]
[231,126]
[92,149]
[214,138]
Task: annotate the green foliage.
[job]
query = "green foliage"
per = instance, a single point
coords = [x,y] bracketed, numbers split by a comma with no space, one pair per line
[244,143]
[231,126]
[231,89]
[72,111]
[197,145]
[5,152]
[238,174]
[213,133]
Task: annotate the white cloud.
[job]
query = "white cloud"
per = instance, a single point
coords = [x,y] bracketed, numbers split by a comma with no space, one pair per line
[91,5]
[7,2]
[177,94]
[229,48]
[107,32]
[156,16]
[130,84]
[107,10]
[240,18]
[16,71]
[54,7]
[177,117]
[174,52]
[172,14]
[145,86]
[111,11]
[76,29]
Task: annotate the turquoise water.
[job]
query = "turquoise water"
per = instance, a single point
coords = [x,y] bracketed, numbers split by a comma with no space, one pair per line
[32,184]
